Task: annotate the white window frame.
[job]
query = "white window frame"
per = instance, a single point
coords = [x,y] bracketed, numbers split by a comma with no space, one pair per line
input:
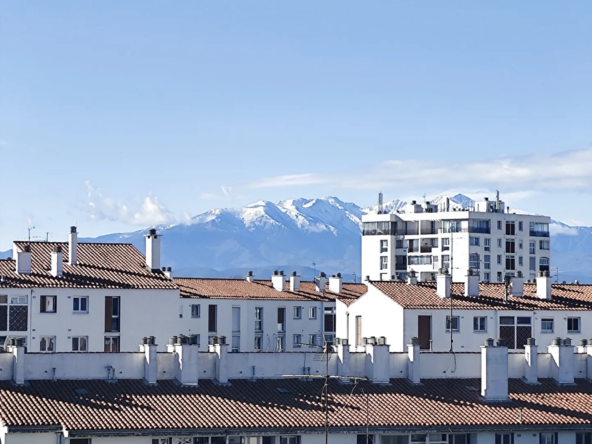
[19,300]
[454,330]
[384,246]
[296,340]
[487,244]
[195,312]
[49,340]
[80,299]
[383,262]
[297,312]
[579,320]
[479,329]
[312,312]
[474,241]
[259,319]
[545,323]
[78,339]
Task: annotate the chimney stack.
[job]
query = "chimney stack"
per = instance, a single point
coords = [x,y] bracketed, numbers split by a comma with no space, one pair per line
[18,361]
[531,367]
[471,284]
[377,364]
[335,283]
[543,284]
[517,285]
[343,356]
[57,262]
[149,346]
[168,272]
[278,281]
[152,250]
[294,282]
[413,366]
[250,277]
[321,281]
[186,351]
[411,278]
[443,283]
[562,363]
[494,370]
[72,246]
[23,260]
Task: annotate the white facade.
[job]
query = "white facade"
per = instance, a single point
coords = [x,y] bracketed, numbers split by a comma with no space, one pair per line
[488,239]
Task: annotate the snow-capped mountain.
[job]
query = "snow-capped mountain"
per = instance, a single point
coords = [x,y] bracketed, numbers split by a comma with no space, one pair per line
[308,235]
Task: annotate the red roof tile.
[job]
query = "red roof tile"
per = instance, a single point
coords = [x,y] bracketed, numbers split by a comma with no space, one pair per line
[453,404]
[242,289]
[423,295]
[98,266]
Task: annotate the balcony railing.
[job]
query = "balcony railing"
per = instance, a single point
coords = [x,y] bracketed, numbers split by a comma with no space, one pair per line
[401,267]
[413,249]
[483,230]
[539,233]
[426,248]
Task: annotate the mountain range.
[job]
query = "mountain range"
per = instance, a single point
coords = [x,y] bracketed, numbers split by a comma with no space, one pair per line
[307,235]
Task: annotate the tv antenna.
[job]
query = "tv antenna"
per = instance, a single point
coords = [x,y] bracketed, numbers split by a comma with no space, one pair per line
[29,229]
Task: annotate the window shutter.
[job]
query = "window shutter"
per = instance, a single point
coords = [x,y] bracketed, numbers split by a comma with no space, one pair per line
[108,312]
[43,302]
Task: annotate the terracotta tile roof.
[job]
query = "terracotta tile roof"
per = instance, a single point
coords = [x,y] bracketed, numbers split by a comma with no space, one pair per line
[453,405]
[99,266]
[242,289]
[491,295]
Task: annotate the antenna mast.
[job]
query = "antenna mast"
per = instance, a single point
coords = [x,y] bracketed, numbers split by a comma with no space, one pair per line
[379,209]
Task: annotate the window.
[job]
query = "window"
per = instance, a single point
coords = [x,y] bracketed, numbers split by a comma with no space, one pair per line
[383,262]
[257,343]
[499,243]
[521,244]
[47,344]
[584,438]
[297,312]
[446,261]
[280,343]
[474,241]
[520,261]
[419,260]
[258,319]
[18,299]
[547,325]
[499,224]
[235,345]
[195,310]
[329,320]
[487,261]
[394,439]
[548,438]
[539,229]
[532,263]
[379,228]
[400,243]
[544,264]
[544,245]
[419,438]
[289,439]
[510,262]
[445,244]
[281,319]
[296,341]
[486,277]
[474,262]
[49,304]
[80,304]
[80,343]
[510,246]
[504,438]
[480,324]
[212,318]
[510,228]
[111,344]
[455,323]
[312,313]
[479,226]
[499,259]
[363,439]
[358,330]
[85,441]
[520,226]
[573,325]
[487,244]
[383,246]
[112,313]
[499,276]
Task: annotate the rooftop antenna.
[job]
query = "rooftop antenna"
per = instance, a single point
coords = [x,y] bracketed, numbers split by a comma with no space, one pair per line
[355,277]
[379,208]
[29,230]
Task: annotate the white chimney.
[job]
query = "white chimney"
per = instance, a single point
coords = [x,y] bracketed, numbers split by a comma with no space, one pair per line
[543,284]
[72,246]
[250,277]
[377,364]
[221,351]
[562,363]
[321,281]
[18,361]
[411,278]
[153,250]
[150,359]
[494,371]
[343,361]
[517,285]
[168,272]
[23,260]
[471,284]
[413,366]
[57,262]
[335,283]
[186,353]
[294,282]
[278,281]
[530,366]
[443,282]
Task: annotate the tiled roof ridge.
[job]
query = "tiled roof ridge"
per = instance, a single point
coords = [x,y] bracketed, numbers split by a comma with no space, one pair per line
[79,242]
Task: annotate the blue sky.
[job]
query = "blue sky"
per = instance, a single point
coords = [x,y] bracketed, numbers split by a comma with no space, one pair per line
[119,115]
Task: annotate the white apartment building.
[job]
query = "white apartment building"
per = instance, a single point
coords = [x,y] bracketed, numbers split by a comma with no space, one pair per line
[183,395]
[400,310]
[488,239]
[90,297]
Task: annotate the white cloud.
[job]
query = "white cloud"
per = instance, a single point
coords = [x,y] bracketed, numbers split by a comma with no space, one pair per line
[569,170]
[149,212]
[555,228]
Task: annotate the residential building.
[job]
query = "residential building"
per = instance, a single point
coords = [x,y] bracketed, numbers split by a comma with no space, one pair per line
[280,314]
[184,396]
[515,311]
[489,239]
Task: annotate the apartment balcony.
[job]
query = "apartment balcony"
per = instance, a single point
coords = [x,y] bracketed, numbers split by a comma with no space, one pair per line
[413,249]
[400,267]
[426,248]
[482,230]
[539,233]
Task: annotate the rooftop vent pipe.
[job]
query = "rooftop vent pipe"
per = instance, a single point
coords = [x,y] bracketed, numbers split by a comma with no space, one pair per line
[72,246]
